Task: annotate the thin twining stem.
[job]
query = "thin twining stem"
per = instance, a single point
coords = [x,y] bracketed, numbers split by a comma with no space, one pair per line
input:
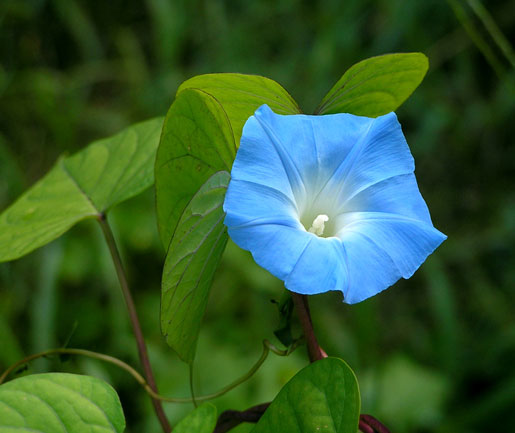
[232,418]
[364,427]
[267,348]
[133,316]
[315,352]
[369,424]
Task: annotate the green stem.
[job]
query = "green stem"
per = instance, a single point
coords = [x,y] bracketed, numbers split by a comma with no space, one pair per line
[192,389]
[494,30]
[68,351]
[267,348]
[136,327]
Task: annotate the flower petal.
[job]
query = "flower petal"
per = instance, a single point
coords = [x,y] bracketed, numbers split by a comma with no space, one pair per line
[296,154]
[381,153]
[312,146]
[370,269]
[398,195]
[320,268]
[246,202]
[263,159]
[381,248]
[275,247]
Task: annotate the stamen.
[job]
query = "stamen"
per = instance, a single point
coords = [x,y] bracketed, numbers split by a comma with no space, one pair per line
[318,225]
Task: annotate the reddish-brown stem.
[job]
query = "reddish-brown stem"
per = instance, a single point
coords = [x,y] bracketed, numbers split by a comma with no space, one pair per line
[315,352]
[232,418]
[364,427]
[372,423]
[133,316]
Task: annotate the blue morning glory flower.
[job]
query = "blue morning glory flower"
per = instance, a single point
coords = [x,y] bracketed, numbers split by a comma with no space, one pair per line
[329,202]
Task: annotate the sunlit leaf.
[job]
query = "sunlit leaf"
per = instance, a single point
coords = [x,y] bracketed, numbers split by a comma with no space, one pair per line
[83,185]
[323,397]
[240,95]
[196,142]
[59,403]
[195,251]
[114,169]
[201,420]
[376,85]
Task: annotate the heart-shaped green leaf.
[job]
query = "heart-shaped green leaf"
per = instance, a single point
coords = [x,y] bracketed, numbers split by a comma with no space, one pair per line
[323,398]
[376,85]
[195,251]
[201,420]
[196,142]
[83,185]
[59,403]
[240,95]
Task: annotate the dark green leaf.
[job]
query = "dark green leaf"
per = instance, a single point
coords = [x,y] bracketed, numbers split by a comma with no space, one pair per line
[240,95]
[376,86]
[201,420]
[195,251]
[323,398]
[197,142]
[59,403]
[80,186]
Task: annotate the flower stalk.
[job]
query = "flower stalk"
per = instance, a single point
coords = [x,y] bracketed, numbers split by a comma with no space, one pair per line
[315,352]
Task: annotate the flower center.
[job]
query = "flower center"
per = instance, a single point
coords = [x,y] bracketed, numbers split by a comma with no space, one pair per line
[318,225]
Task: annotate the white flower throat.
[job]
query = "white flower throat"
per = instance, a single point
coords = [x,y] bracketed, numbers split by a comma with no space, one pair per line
[318,225]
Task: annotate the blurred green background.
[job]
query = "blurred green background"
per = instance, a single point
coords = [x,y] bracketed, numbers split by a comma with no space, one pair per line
[432,354]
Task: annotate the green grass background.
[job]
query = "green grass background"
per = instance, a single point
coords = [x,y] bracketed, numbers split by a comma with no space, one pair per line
[432,354]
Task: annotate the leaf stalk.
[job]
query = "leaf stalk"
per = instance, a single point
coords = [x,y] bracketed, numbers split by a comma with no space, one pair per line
[133,316]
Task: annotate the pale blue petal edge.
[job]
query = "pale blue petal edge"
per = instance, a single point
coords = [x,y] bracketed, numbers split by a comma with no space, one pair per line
[321,267]
[394,195]
[286,152]
[381,248]
[381,153]
[248,202]
[275,247]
